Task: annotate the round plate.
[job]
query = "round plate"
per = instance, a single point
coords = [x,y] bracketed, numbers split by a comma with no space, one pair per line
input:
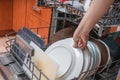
[62,9]
[70,59]
[98,56]
[92,55]
[94,52]
[105,56]
[60,53]
[87,4]
[108,55]
[87,63]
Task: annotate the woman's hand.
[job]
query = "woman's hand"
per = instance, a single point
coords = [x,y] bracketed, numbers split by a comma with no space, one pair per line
[80,40]
[97,9]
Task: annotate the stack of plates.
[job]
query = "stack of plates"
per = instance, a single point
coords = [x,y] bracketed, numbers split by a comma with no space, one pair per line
[74,62]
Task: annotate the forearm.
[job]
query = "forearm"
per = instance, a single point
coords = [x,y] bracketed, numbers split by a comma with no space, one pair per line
[97,9]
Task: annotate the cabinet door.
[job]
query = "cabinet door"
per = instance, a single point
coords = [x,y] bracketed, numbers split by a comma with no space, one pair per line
[41,13]
[6,18]
[38,19]
[19,14]
[33,22]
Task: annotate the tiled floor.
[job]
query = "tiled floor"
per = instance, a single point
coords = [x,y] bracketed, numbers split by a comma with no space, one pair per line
[3,44]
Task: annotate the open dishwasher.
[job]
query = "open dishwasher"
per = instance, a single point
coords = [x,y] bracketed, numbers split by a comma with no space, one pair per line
[16,63]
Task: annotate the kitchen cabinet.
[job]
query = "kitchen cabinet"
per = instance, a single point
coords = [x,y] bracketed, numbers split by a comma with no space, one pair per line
[6,16]
[15,14]
[38,19]
[19,14]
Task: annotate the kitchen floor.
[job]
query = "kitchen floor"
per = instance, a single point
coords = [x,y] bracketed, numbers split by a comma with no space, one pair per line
[3,44]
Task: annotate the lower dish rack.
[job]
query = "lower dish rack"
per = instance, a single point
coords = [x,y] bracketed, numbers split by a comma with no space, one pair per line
[18,58]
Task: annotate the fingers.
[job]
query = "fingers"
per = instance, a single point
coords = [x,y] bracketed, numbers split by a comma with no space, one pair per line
[75,45]
[81,42]
[76,39]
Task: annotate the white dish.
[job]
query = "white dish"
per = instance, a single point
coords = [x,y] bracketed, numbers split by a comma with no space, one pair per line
[93,58]
[62,55]
[87,4]
[98,56]
[87,63]
[70,59]
[94,54]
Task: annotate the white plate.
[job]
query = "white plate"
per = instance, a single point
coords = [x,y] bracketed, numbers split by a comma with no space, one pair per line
[91,56]
[70,59]
[98,56]
[87,63]
[87,4]
[62,55]
[94,54]
[62,9]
